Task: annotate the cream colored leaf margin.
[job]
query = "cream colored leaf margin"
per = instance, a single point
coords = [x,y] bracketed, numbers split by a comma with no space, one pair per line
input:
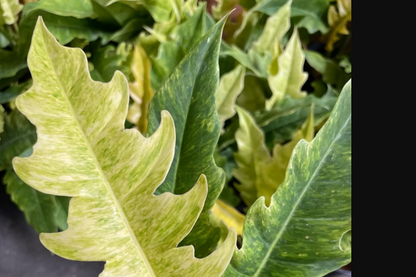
[84,152]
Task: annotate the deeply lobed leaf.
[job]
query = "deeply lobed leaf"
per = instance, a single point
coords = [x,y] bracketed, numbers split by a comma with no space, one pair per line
[189,95]
[84,152]
[300,233]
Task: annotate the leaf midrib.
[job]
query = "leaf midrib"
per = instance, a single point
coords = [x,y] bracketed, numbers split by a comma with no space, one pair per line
[295,207]
[102,175]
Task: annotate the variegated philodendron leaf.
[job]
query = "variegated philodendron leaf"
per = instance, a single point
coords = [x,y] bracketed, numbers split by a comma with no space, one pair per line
[189,95]
[290,76]
[9,9]
[231,85]
[300,234]
[83,151]
[276,27]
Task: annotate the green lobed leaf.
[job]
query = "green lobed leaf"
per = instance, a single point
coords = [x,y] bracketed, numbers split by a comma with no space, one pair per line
[189,95]
[290,76]
[111,173]
[231,85]
[9,10]
[300,233]
[42,211]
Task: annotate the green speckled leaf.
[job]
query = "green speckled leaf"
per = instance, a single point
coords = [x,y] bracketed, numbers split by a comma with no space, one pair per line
[84,152]
[42,211]
[189,95]
[290,76]
[300,233]
[231,85]
[9,9]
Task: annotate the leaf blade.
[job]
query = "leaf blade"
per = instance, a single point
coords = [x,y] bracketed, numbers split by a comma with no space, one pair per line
[300,233]
[189,95]
[98,168]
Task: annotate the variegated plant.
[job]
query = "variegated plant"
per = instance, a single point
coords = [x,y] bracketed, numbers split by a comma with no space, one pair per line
[163,124]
